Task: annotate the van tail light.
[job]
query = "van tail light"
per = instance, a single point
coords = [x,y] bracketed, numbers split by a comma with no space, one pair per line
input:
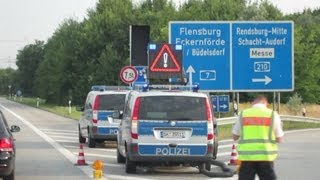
[6,145]
[95,110]
[210,120]
[134,119]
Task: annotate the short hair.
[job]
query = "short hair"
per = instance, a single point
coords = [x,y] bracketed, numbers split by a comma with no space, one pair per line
[260,98]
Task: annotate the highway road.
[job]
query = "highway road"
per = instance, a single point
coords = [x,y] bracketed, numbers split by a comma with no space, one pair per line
[47,148]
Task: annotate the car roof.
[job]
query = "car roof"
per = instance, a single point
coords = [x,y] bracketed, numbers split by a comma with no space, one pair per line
[109,92]
[172,93]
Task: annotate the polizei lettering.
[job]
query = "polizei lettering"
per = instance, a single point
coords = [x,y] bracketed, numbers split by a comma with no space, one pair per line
[172,151]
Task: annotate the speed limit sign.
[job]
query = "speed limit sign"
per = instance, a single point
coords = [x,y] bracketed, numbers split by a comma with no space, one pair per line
[128,74]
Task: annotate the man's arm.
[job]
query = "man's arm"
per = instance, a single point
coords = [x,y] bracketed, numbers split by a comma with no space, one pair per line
[236,130]
[278,128]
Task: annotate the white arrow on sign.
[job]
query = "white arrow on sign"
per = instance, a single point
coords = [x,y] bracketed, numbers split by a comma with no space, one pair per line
[190,70]
[266,80]
[224,106]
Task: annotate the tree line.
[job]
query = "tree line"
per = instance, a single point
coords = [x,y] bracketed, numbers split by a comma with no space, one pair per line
[81,54]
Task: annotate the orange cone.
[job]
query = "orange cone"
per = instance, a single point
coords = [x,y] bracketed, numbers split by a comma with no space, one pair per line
[81,161]
[234,156]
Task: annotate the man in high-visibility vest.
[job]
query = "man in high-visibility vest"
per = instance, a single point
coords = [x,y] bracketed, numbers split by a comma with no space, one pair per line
[258,130]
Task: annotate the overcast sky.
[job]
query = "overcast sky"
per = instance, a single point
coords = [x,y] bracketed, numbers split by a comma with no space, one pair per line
[23,21]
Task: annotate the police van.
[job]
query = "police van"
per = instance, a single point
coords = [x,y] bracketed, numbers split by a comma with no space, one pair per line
[169,127]
[96,123]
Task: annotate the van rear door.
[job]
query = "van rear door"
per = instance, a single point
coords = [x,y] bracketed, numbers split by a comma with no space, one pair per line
[173,125]
[107,104]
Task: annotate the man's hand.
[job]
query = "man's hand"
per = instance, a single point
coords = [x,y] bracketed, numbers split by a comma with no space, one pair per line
[235,137]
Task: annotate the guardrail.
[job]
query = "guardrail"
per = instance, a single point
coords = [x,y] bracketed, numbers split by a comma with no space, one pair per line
[231,120]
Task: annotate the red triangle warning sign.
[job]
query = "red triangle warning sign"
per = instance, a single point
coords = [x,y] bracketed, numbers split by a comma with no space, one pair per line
[165,61]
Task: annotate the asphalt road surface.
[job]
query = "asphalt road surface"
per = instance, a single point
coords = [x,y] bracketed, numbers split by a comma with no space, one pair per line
[47,148]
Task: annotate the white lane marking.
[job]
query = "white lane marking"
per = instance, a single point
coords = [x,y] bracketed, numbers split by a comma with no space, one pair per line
[224,154]
[97,155]
[107,150]
[226,141]
[95,149]
[58,130]
[66,141]
[62,133]
[71,147]
[225,146]
[63,137]
[87,170]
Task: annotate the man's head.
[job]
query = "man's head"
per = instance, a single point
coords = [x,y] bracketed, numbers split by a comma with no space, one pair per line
[260,99]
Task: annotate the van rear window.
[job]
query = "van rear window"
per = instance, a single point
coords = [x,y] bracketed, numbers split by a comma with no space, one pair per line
[172,108]
[111,102]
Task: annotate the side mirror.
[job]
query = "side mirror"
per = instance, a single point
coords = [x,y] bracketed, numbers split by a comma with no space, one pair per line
[14,128]
[80,108]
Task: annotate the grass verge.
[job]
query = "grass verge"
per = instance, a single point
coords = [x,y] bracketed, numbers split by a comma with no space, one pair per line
[60,110]
[224,131]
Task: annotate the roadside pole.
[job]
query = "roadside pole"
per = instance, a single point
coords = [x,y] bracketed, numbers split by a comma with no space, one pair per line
[69,106]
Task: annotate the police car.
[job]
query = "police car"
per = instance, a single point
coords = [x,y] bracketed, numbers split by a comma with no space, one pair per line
[96,122]
[166,128]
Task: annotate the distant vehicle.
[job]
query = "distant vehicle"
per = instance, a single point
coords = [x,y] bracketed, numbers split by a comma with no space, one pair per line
[166,128]
[7,149]
[96,122]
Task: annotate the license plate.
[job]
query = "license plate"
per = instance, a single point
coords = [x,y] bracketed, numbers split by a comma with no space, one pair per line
[172,134]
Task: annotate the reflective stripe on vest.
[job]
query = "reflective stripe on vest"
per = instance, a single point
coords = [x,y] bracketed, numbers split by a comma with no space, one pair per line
[257,139]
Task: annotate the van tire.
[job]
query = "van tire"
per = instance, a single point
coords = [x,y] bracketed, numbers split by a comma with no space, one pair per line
[91,141]
[81,138]
[131,167]
[10,176]
[120,158]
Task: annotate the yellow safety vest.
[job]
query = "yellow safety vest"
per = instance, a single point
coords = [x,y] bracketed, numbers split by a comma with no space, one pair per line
[257,138]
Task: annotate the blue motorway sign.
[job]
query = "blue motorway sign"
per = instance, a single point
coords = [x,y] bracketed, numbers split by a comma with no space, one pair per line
[262,56]
[206,50]
[236,56]
[214,100]
[142,74]
[220,103]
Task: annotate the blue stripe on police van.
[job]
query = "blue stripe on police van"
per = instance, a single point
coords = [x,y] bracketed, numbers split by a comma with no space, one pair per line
[198,128]
[107,130]
[104,115]
[165,150]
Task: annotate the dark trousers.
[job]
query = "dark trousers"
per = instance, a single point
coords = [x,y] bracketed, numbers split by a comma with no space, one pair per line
[264,169]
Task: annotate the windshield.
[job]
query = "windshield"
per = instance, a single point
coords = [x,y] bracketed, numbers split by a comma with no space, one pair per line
[172,108]
[111,102]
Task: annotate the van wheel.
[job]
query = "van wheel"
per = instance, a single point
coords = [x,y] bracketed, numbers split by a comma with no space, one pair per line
[10,176]
[81,139]
[91,141]
[120,158]
[130,166]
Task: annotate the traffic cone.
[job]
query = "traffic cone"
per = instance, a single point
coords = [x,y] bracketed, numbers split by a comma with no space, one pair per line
[234,156]
[81,161]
